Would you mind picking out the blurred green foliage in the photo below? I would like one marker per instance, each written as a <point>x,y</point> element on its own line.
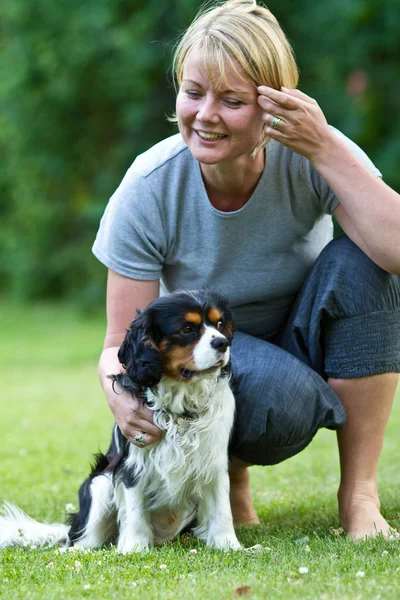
<point>86,86</point>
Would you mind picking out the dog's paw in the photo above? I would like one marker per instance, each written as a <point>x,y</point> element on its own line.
<point>133,546</point>
<point>225,543</point>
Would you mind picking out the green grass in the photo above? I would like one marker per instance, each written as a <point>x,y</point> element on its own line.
<point>53,417</point>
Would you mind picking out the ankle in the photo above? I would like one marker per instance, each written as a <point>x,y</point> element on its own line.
<point>243,511</point>
<point>353,492</point>
<point>239,476</point>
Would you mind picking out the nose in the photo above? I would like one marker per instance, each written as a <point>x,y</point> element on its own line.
<point>220,344</point>
<point>208,111</point>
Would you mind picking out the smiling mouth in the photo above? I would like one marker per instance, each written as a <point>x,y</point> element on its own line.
<point>210,137</point>
<point>188,374</point>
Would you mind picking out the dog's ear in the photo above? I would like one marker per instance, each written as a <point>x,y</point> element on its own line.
<point>139,354</point>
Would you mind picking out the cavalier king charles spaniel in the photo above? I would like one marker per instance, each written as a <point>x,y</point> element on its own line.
<point>176,359</point>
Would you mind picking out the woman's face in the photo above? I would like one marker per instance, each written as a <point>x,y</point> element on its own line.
<point>218,123</point>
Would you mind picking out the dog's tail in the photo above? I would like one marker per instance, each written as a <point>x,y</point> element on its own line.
<point>17,529</point>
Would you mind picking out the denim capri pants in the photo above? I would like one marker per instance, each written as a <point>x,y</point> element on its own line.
<point>344,324</point>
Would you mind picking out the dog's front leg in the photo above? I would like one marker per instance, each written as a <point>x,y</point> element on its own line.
<point>215,515</point>
<point>135,531</point>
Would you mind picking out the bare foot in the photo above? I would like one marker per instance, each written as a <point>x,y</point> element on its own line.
<point>241,501</point>
<point>359,512</point>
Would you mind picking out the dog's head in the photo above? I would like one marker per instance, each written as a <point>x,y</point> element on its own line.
<point>185,335</point>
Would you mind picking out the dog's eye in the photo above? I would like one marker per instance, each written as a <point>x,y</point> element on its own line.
<point>220,325</point>
<point>187,328</point>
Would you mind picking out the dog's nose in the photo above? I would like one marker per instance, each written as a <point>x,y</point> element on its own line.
<point>220,344</point>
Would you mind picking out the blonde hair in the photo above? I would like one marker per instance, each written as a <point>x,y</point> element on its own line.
<point>239,32</point>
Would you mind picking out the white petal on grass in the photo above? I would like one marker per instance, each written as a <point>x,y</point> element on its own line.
<point>303,570</point>
<point>78,566</point>
<point>70,508</point>
<point>360,574</point>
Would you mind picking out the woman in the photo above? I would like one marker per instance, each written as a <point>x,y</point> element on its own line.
<point>241,200</point>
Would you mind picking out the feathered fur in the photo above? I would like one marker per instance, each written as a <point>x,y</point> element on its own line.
<point>176,358</point>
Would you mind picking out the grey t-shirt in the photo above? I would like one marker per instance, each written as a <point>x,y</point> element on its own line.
<point>160,224</point>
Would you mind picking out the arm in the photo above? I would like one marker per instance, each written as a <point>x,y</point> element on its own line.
<point>369,210</point>
<point>124,297</point>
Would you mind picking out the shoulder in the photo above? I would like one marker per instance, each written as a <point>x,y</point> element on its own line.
<point>153,169</point>
<point>167,152</point>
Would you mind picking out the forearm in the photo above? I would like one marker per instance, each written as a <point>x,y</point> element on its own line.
<point>371,207</point>
<point>108,365</point>
<point>369,210</point>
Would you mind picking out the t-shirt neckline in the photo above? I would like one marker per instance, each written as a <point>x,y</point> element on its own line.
<point>251,201</point>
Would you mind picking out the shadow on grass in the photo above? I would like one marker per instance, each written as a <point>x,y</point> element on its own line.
<point>290,523</point>
<point>301,523</point>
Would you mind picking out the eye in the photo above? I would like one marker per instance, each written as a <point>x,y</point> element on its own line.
<point>193,94</point>
<point>220,326</point>
<point>188,328</point>
<point>233,103</point>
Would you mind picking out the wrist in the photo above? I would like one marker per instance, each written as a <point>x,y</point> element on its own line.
<point>108,365</point>
<point>328,148</point>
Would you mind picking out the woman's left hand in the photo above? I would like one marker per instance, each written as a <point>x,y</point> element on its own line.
<point>302,126</point>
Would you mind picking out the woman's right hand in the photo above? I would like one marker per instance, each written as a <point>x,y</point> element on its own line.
<point>132,416</point>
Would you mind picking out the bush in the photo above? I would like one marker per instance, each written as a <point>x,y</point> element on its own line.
<point>85,87</point>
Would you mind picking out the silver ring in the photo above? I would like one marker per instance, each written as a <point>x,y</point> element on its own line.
<point>139,438</point>
<point>275,122</point>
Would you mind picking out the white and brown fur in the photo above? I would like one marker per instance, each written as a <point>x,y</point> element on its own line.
<point>176,356</point>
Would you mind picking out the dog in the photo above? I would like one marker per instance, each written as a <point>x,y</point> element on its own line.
<point>176,359</point>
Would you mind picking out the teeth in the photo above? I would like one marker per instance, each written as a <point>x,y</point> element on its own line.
<point>210,136</point>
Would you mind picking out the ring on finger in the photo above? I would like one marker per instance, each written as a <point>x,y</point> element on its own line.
<point>275,122</point>
<point>139,438</point>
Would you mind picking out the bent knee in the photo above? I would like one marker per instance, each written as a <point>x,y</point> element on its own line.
<point>279,414</point>
<point>356,279</point>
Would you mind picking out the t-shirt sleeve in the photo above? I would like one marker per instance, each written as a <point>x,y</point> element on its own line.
<point>318,185</point>
<point>131,239</point>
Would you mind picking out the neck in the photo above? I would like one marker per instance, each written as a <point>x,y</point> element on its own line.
<point>230,186</point>
<point>178,398</point>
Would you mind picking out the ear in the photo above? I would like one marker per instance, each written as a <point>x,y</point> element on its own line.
<point>139,354</point>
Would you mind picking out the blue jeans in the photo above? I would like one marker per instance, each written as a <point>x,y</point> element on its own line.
<point>344,324</point>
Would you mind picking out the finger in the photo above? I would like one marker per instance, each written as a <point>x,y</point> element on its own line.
<point>150,428</point>
<point>275,132</point>
<point>280,98</point>
<point>274,122</point>
<point>140,439</point>
<point>273,108</point>
<point>298,94</point>
<point>146,414</point>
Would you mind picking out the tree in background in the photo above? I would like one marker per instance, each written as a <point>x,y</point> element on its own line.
<point>86,86</point>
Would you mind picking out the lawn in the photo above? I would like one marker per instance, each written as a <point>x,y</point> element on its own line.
<point>53,417</point>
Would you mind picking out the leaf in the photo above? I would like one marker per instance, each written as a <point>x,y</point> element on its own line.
<point>243,590</point>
